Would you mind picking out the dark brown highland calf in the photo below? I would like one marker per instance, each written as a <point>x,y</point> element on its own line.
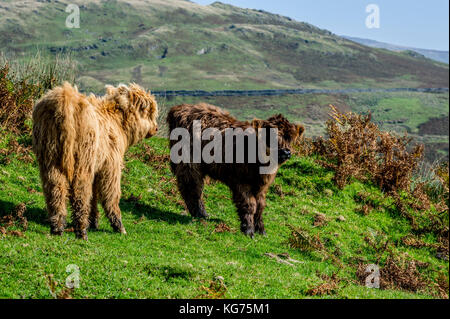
<point>248,185</point>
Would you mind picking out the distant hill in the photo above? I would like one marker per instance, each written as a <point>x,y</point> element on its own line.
<point>440,56</point>
<point>177,44</point>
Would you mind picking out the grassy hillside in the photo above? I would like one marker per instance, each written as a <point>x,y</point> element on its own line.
<point>167,254</point>
<point>176,44</point>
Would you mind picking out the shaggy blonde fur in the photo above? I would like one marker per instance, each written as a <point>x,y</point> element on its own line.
<point>80,141</point>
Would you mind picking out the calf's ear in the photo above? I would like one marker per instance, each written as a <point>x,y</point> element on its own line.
<point>121,97</point>
<point>300,130</point>
<point>110,90</point>
<point>256,124</point>
<point>123,89</point>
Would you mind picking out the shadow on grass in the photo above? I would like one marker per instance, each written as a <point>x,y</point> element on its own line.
<point>33,214</point>
<point>139,209</point>
<point>39,215</point>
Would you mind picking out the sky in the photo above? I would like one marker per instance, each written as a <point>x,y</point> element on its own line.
<point>413,23</point>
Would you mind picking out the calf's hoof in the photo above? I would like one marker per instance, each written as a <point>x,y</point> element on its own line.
<point>81,235</point>
<point>57,229</point>
<point>248,231</point>
<point>200,213</point>
<point>93,224</point>
<point>118,227</point>
<point>120,230</point>
<point>57,232</point>
<point>260,230</point>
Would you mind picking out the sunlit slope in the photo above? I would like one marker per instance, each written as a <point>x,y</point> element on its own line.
<point>177,44</point>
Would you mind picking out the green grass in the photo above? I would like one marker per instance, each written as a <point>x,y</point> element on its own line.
<point>167,254</point>
<point>411,109</point>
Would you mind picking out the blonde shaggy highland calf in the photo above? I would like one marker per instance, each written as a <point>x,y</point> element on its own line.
<point>80,141</point>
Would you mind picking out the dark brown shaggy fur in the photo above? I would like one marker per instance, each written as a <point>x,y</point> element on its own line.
<point>248,186</point>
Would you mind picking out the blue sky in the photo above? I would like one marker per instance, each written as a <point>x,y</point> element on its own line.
<point>414,23</point>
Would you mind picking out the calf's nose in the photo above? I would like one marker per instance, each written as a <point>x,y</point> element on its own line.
<point>284,154</point>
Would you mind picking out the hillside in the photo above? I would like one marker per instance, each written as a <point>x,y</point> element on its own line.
<point>340,205</point>
<point>437,55</point>
<point>176,44</point>
<point>167,254</point>
<point>424,116</point>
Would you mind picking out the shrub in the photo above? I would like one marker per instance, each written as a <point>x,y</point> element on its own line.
<point>22,83</point>
<point>357,148</point>
<point>17,100</point>
<point>43,72</point>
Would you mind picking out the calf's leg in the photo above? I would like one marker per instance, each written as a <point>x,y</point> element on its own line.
<point>94,214</point>
<point>109,192</point>
<point>190,184</point>
<point>80,198</point>
<point>261,204</point>
<point>246,206</point>
<point>55,188</point>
